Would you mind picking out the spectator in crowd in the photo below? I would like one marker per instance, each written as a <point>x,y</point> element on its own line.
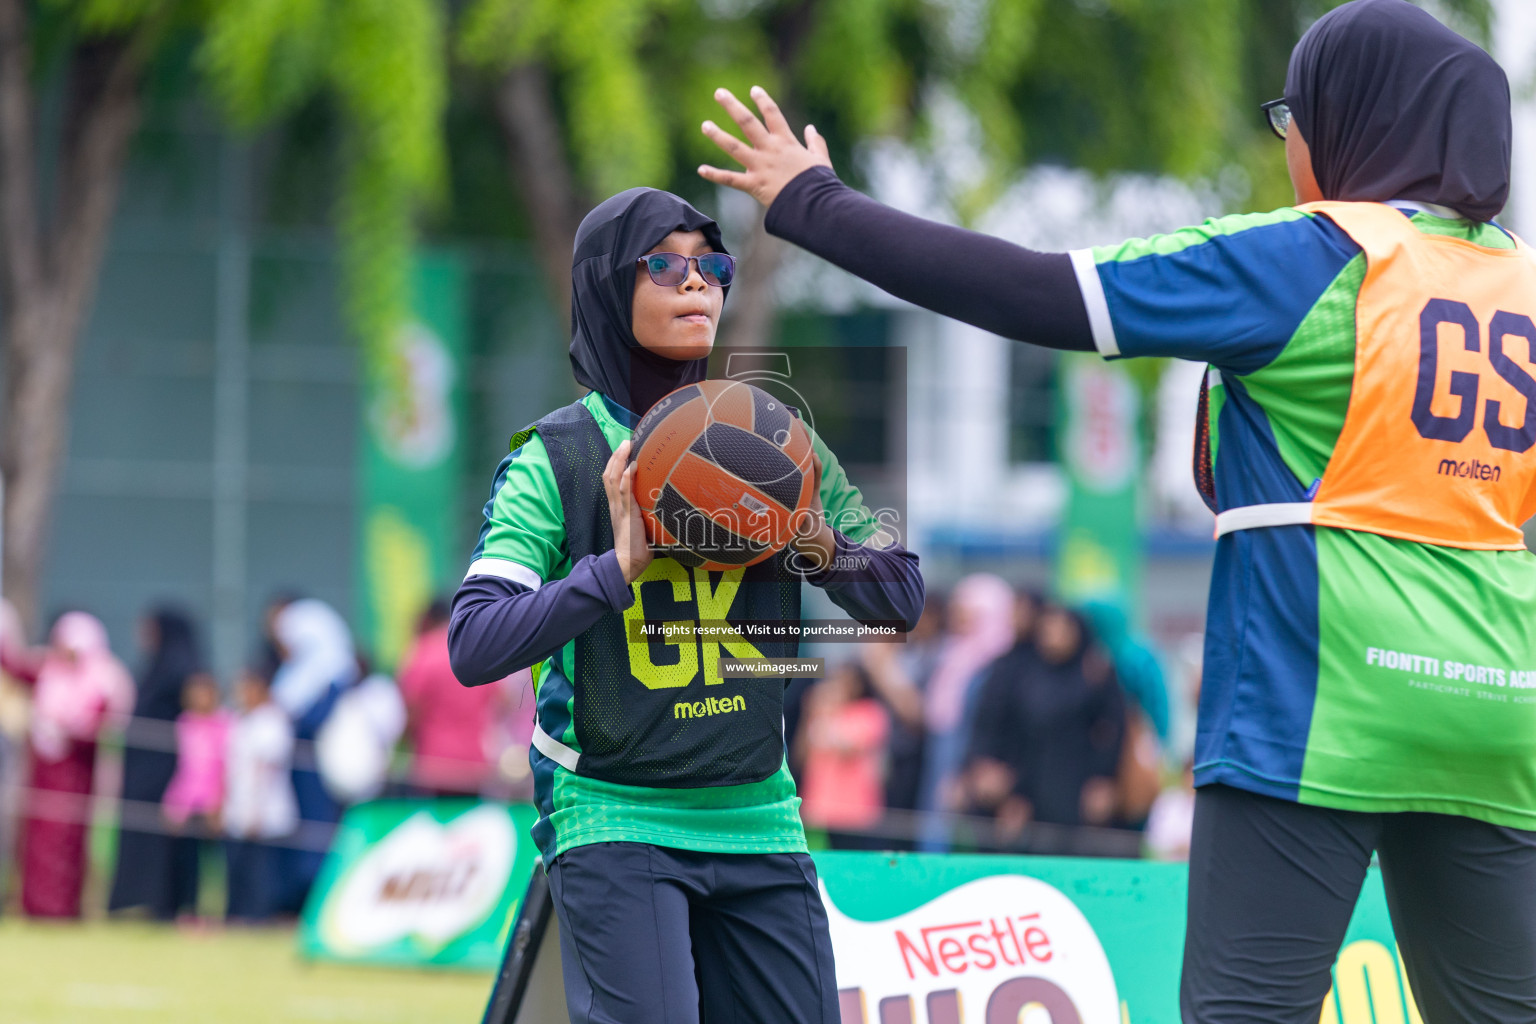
<point>315,664</point>
<point>980,628</point>
<point>1137,666</point>
<point>77,683</point>
<point>259,805</point>
<point>195,797</point>
<point>202,739</point>
<point>152,866</point>
<point>357,742</point>
<point>988,779</point>
<point>449,725</point>
<point>843,735</point>
<point>1051,737</point>
<point>899,674</point>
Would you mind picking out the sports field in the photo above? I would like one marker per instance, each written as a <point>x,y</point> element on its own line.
<point>78,974</point>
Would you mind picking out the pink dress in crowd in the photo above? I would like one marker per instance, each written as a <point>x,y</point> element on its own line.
<point>844,787</point>
<point>202,742</point>
<point>448,723</point>
<point>78,685</point>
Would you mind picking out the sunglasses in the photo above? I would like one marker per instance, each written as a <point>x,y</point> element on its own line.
<point>1279,114</point>
<point>670,269</point>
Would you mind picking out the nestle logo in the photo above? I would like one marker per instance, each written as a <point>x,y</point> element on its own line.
<point>1474,470</point>
<point>956,948</point>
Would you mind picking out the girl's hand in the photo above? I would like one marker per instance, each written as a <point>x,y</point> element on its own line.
<point>629,541</point>
<point>771,155</point>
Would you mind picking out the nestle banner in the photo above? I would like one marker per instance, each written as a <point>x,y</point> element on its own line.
<point>923,939</point>
<point>422,883</point>
<point>928,939</point>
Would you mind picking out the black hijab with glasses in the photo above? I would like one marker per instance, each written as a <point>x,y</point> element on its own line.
<point>1394,105</point>
<point>604,353</point>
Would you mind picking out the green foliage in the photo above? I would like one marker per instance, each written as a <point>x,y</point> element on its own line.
<point>107,16</point>
<point>264,57</point>
<point>381,65</point>
<point>616,129</point>
<point>1156,86</point>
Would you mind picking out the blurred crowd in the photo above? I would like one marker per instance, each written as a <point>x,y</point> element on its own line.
<point>1004,718</point>
<point>254,770</point>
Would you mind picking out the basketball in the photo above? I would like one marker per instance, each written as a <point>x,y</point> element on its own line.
<point>723,469</point>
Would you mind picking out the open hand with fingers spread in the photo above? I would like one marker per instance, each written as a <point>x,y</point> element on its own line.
<point>771,155</point>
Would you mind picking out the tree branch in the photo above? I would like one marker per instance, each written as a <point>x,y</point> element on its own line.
<point>21,267</point>
<point>103,114</point>
<point>542,171</point>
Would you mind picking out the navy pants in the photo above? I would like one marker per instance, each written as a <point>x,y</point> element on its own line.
<point>1272,886</point>
<point>652,935</point>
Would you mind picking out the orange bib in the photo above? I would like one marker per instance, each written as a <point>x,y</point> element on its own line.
<point>1442,413</point>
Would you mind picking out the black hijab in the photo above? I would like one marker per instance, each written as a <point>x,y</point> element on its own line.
<point>604,353</point>
<point>1394,105</point>
<point>175,657</point>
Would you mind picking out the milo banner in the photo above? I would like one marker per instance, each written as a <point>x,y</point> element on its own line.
<point>421,883</point>
<point>932,939</point>
<point>1099,445</point>
<point>410,449</point>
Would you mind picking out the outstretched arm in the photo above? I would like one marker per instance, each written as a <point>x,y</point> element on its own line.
<point>975,278</point>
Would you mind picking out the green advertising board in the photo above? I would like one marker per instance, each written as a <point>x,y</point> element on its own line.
<point>970,939</point>
<point>421,883</point>
<point>1042,940</point>
<point>1099,445</point>
<point>411,450</point>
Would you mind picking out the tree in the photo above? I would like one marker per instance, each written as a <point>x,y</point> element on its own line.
<point>380,62</point>
<point>599,95</point>
<point>596,96</point>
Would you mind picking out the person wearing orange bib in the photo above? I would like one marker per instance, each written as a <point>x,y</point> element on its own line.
<point>1366,435</point>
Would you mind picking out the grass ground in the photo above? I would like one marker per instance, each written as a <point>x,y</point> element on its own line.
<point>126,973</point>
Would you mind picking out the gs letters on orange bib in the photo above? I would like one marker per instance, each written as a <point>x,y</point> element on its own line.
<point>1436,444</point>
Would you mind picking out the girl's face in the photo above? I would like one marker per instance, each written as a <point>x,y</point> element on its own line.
<point>251,691</point>
<point>1057,636</point>
<point>201,695</point>
<point>680,322</point>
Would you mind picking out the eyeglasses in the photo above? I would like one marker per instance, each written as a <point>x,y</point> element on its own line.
<point>1279,114</point>
<point>670,269</point>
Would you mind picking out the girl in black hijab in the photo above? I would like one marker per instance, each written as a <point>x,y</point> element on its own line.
<point>155,870</point>
<point>1371,590</point>
<point>668,820</point>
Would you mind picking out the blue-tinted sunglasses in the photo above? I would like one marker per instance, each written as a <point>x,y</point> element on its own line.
<point>670,269</point>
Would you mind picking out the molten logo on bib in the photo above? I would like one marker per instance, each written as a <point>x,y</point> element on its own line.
<point>998,950</point>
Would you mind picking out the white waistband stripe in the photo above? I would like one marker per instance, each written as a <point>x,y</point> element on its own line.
<point>506,569</point>
<point>553,749</point>
<point>1248,517</point>
<point>1093,300</point>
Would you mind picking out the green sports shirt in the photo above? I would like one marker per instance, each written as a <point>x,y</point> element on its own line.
<point>524,527</point>
<point>1342,668</point>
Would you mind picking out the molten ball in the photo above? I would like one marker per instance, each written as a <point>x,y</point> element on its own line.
<point>723,472</point>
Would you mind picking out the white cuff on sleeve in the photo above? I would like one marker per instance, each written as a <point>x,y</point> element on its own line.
<point>1093,298</point>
